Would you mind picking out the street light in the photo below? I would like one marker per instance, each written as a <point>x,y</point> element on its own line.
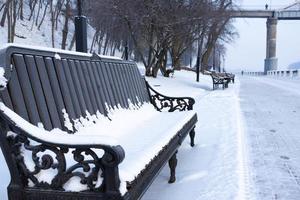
<point>80,30</point>
<point>198,63</point>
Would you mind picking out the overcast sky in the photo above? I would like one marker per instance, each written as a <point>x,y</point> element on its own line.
<point>248,51</point>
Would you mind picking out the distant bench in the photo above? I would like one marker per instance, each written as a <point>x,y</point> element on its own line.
<point>220,79</point>
<point>79,126</point>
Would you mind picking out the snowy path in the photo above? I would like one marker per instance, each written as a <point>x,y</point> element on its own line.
<point>272,111</point>
<point>215,167</point>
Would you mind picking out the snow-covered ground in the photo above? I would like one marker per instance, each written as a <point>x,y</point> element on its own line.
<point>216,167</point>
<point>271,107</point>
<point>247,141</point>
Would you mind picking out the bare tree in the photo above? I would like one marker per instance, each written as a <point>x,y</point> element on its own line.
<point>65,30</point>
<point>157,28</point>
<point>44,15</point>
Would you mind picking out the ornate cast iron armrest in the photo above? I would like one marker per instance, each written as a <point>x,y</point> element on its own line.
<point>86,163</point>
<point>170,104</point>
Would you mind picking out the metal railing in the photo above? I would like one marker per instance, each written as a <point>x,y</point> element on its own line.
<point>284,73</point>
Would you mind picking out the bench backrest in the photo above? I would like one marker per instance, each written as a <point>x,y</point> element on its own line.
<point>42,83</point>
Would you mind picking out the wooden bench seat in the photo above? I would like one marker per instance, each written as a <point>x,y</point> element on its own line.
<point>91,122</point>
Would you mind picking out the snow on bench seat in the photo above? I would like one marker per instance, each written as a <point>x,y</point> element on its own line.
<point>139,131</point>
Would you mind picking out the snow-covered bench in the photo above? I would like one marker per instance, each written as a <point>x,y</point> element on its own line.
<point>230,76</point>
<point>218,80</point>
<point>80,126</point>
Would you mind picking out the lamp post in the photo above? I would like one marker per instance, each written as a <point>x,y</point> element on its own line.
<point>198,68</point>
<point>80,29</point>
<point>198,63</point>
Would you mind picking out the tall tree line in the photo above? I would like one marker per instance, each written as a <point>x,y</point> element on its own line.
<point>156,29</point>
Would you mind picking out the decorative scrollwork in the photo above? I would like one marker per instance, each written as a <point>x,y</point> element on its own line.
<point>170,104</point>
<point>36,159</point>
<point>86,165</point>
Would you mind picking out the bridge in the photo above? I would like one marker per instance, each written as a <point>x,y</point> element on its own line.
<point>291,12</point>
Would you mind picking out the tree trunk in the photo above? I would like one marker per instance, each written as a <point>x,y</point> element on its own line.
<point>9,23</point>
<point>57,11</point>
<point>14,20</point>
<point>94,40</point>
<point>4,15</point>
<point>52,25</point>
<point>38,13</point>
<point>21,6</point>
<point>66,25</point>
<point>44,15</point>
<point>32,7</point>
<point>72,42</point>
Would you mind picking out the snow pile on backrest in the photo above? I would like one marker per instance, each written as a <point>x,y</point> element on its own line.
<point>56,135</point>
<point>118,120</point>
<point>57,56</point>
<point>67,122</point>
<point>3,80</point>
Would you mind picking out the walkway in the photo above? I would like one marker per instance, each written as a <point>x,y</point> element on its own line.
<point>215,167</point>
<point>272,112</point>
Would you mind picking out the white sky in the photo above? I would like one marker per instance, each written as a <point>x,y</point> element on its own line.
<point>249,49</point>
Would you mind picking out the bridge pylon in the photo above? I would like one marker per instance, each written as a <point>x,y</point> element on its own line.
<point>271,62</point>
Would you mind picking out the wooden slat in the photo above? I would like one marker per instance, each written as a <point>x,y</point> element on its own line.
<point>84,87</point>
<point>71,86</point>
<point>96,89</point>
<point>100,84</point>
<point>135,83</point>
<point>115,69</point>
<point>114,87</point>
<point>16,95</point>
<point>142,83</point>
<point>48,93</point>
<point>104,76</point>
<point>38,92</point>
<point>66,94</point>
<point>5,97</point>
<point>26,88</point>
<point>59,102</point>
<point>90,91</point>
<point>132,86</point>
<point>127,84</point>
<point>78,87</point>
<point>122,80</point>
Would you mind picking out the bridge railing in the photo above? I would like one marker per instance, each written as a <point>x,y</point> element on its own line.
<point>254,73</point>
<point>285,73</point>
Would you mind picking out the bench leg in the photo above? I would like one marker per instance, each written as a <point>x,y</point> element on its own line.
<point>192,136</point>
<point>172,165</point>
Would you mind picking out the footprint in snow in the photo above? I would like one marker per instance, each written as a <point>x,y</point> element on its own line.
<point>273,131</point>
<point>284,157</point>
